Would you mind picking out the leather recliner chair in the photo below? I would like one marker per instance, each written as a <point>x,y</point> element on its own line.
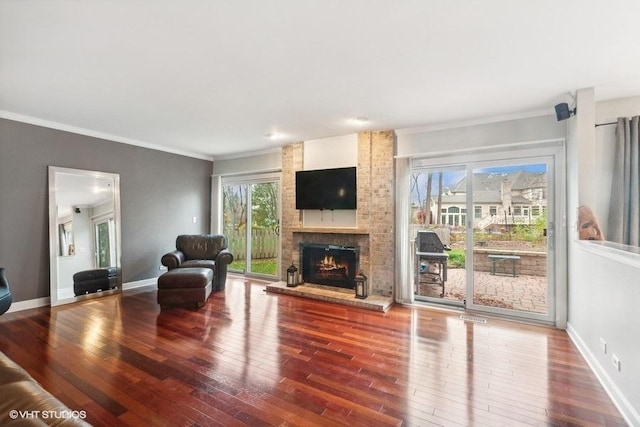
<point>201,250</point>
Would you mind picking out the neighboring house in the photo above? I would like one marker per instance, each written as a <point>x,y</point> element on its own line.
<point>499,199</point>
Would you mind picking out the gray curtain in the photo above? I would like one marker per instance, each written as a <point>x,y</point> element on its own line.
<point>624,211</point>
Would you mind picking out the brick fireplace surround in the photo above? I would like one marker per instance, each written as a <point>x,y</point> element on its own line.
<point>375,232</point>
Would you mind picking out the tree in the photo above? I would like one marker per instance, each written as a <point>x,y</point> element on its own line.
<point>415,188</point>
<point>235,206</point>
<point>420,214</point>
<point>264,202</point>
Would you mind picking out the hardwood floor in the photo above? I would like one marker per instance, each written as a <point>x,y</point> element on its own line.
<point>252,358</point>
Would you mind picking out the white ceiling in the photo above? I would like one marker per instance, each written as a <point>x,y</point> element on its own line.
<point>82,190</point>
<point>212,78</point>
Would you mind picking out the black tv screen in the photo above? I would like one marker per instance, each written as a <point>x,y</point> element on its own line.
<point>326,189</point>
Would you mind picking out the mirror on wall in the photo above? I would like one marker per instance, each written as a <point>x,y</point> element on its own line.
<point>84,234</point>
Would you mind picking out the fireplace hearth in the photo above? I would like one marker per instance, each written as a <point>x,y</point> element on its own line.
<point>331,265</point>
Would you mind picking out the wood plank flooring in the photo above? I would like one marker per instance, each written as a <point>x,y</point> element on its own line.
<point>258,359</point>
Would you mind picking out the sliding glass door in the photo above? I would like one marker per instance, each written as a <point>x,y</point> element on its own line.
<point>432,211</point>
<point>493,220</point>
<point>508,236</point>
<point>104,238</point>
<point>251,224</point>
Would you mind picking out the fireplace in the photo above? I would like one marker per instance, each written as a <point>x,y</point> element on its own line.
<point>331,265</point>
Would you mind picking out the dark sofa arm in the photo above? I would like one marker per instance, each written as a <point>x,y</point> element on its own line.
<point>223,259</point>
<point>172,259</point>
<point>20,392</point>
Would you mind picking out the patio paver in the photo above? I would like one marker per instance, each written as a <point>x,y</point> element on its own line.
<point>524,293</point>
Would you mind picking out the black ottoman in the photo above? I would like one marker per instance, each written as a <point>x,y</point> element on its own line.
<point>184,286</point>
<point>91,281</point>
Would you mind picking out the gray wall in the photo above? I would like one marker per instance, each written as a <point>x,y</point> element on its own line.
<point>160,194</point>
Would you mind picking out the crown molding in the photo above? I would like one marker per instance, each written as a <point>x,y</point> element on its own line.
<point>94,134</point>
<point>245,154</point>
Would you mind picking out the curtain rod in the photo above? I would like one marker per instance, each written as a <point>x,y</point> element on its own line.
<point>606,124</point>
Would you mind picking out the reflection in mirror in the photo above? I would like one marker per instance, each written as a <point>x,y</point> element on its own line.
<point>84,234</point>
<point>65,237</point>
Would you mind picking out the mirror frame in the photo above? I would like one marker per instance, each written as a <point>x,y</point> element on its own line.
<point>53,233</point>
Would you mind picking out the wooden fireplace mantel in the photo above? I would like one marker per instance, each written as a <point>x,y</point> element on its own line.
<point>332,230</point>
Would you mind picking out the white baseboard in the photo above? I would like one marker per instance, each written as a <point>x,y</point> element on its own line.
<point>46,301</point>
<point>139,283</point>
<point>627,410</point>
<point>32,303</point>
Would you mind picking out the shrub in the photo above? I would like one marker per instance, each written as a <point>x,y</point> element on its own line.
<point>456,258</point>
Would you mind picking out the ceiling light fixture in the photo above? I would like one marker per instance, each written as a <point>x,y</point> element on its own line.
<point>360,121</point>
<point>274,135</point>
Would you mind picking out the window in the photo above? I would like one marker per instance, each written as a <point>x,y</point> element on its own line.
<point>517,210</point>
<point>535,210</point>
<point>454,217</point>
<point>493,210</point>
<point>477,212</point>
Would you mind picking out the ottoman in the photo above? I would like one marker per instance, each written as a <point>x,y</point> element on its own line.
<point>91,281</point>
<point>184,286</point>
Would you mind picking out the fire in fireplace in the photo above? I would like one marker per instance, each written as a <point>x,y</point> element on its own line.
<point>331,265</point>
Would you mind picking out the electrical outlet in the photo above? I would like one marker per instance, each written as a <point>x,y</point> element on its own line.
<point>603,345</point>
<point>615,361</point>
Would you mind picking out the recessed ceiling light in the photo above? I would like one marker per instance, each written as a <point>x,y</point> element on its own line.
<point>274,135</point>
<point>360,121</point>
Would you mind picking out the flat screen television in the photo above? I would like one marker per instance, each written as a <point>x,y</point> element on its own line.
<point>326,189</point>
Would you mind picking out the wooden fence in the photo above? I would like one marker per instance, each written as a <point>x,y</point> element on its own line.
<point>264,243</point>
